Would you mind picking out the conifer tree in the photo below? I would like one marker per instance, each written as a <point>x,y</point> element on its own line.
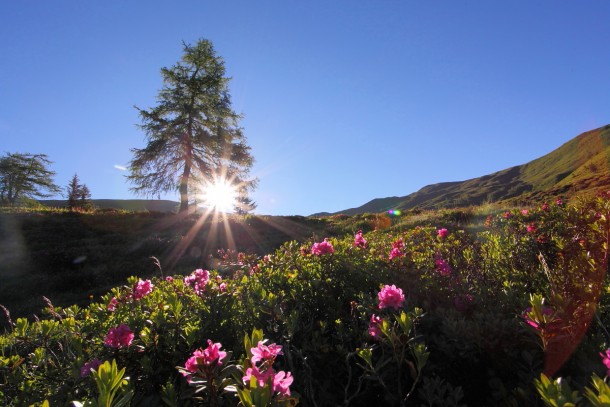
<point>79,196</point>
<point>25,175</point>
<point>193,134</point>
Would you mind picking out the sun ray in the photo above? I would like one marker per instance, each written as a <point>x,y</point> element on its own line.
<point>221,195</point>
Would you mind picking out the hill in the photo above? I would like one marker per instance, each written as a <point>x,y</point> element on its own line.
<point>580,166</point>
<point>155,205</point>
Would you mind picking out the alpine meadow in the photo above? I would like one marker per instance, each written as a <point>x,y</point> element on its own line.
<point>235,281</point>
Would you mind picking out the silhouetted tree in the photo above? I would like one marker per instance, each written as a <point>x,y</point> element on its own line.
<point>84,199</point>
<point>25,176</point>
<point>193,134</point>
<point>244,204</point>
<point>79,195</point>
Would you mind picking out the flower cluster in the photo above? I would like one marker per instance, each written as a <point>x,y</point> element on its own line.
<point>390,296</point>
<point>443,233</point>
<point>113,304</point>
<point>93,364</point>
<point>204,359</point>
<point>359,240</point>
<point>375,326</point>
<point>198,279</point>
<point>397,249</point>
<point>119,337</point>
<point>261,370</point>
<point>325,247</point>
<point>263,352</point>
<point>142,289</point>
<point>442,266</point>
<point>606,360</point>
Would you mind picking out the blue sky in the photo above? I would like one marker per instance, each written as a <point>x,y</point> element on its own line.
<point>343,101</point>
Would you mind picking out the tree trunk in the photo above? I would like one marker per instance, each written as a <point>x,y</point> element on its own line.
<point>184,179</point>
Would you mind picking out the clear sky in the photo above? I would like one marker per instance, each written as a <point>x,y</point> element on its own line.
<point>343,101</point>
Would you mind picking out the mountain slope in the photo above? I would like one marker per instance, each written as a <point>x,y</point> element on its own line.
<point>581,165</point>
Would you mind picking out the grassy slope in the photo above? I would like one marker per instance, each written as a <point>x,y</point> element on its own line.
<point>158,205</point>
<point>582,165</point>
<point>70,256</point>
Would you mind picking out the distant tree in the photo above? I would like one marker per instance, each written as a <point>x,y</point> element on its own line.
<point>79,195</point>
<point>244,204</point>
<point>84,199</point>
<point>193,133</point>
<point>25,176</point>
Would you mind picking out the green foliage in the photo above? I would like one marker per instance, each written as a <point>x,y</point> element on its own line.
<point>556,393</point>
<point>463,335</point>
<point>25,176</point>
<point>110,383</point>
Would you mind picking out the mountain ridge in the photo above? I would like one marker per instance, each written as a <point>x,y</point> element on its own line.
<point>579,166</point>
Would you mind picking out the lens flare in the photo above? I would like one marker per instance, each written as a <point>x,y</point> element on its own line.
<point>220,195</point>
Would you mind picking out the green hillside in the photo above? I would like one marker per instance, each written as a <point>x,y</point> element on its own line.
<point>580,166</point>
<point>156,205</point>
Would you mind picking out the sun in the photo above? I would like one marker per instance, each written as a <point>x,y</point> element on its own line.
<point>220,195</point>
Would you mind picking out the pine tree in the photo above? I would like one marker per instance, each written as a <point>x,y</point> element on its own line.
<point>84,199</point>
<point>79,196</point>
<point>193,134</point>
<point>72,191</point>
<point>25,176</point>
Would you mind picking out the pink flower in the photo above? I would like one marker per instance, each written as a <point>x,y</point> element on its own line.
<point>119,337</point>
<point>321,248</point>
<point>398,244</point>
<point>205,357</point>
<point>222,287</point>
<point>169,278</point>
<point>85,370</point>
<point>261,377</point>
<point>524,212</point>
<point>213,352</point>
<point>198,280</point>
<point>531,228</point>
<point>390,296</point>
<point>443,233</point>
<point>191,363</point>
<point>558,202</point>
<point>396,253</point>
<point>397,247</point>
<point>113,304</point>
<point>375,326</point>
<point>264,352</point>
<point>606,360</point>
<point>282,382</point>
<point>142,289</point>
<point>442,267</point>
<point>507,215</point>
<point>359,241</point>
<point>545,207</point>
